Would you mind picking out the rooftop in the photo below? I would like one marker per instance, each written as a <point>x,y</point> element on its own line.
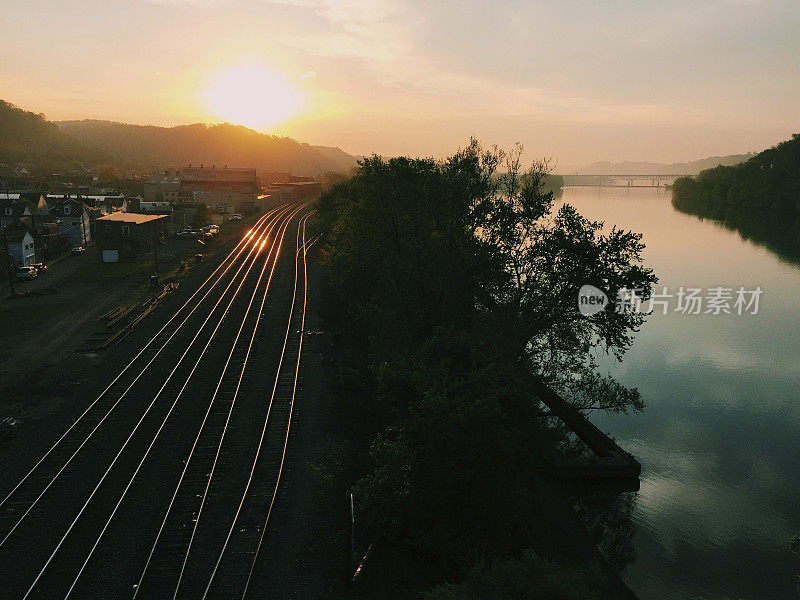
<point>124,217</point>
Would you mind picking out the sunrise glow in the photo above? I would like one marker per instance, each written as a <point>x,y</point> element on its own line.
<point>251,95</point>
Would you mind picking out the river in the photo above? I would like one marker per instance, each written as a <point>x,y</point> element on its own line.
<point>718,438</point>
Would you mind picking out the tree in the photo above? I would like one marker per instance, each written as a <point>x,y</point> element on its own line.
<point>541,260</point>
<point>463,277</point>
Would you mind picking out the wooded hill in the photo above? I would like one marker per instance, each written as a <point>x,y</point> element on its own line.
<point>40,145</point>
<point>770,180</point>
<point>43,146</point>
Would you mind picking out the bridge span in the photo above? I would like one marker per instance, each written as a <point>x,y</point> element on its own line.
<point>621,180</point>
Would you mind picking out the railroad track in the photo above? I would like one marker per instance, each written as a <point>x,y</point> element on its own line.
<point>36,515</point>
<point>17,502</point>
<point>238,556</point>
<point>168,572</point>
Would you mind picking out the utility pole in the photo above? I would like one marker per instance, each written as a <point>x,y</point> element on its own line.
<point>155,245</point>
<point>7,250</point>
<point>8,263</point>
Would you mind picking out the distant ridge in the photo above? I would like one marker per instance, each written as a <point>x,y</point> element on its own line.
<point>648,168</point>
<point>40,145</point>
<point>143,146</point>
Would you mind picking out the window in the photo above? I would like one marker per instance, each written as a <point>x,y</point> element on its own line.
<point>8,212</point>
<point>67,209</point>
<point>126,230</point>
<point>108,228</point>
<point>74,223</point>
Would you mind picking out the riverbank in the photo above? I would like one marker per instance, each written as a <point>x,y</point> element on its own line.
<point>768,181</point>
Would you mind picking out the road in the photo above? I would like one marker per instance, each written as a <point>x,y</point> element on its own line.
<point>161,480</point>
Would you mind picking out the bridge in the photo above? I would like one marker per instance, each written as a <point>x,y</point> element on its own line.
<point>621,180</point>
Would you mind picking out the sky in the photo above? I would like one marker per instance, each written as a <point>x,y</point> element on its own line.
<point>575,81</point>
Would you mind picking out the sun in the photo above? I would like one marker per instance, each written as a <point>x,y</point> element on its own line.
<point>251,95</point>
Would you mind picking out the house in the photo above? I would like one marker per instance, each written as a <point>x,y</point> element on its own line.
<point>49,243</point>
<point>123,235</point>
<point>11,210</point>
<point>73,216</point>
<point>106,203</point>
<point>21,247</point>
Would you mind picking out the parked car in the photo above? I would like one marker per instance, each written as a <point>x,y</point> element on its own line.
<point>198,257</point>
<point>235,217</point>
<point>211,230</point>
<point>78,250</point>
<point>189,233</point>
<point>41,267</point>
<point>25,273</point>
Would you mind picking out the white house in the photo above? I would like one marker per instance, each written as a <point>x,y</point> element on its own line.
<point>21,248</point>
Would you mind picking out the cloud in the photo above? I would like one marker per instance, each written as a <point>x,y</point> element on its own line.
<point>353,28</point>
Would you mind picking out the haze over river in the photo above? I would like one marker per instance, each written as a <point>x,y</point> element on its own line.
<point>718,438</point>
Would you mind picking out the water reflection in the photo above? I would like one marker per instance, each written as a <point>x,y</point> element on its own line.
<point>777,231</point>
<point>718,436</point>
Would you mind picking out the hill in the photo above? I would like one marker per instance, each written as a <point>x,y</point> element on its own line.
<point>769,181</point>
<point>649,168</point>
<point>43,146</point>
<point>30,139</point>
<point>144,147</point>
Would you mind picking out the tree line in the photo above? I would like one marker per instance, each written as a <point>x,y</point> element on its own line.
<point>768,182</point>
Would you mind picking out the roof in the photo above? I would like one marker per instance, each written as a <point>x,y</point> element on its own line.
<point>136,218</point>
<point>15,237</point>
<point>56,208</point>
<point>17,208</point>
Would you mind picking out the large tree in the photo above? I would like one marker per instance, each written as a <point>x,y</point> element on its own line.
<point>463,276</point>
